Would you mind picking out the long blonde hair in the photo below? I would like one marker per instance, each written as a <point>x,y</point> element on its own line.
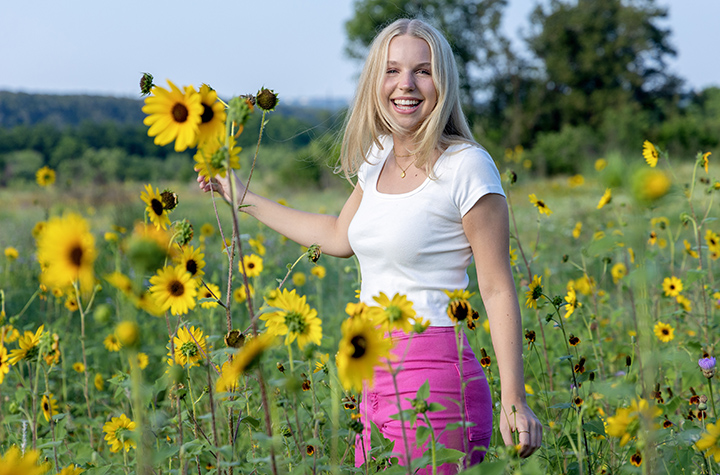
<point>368,117</point>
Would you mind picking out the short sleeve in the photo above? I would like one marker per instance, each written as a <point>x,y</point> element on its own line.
<point>362,174</point>
<point>475,175</point>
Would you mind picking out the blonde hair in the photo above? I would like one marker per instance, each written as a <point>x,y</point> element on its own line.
<point>368,117</point>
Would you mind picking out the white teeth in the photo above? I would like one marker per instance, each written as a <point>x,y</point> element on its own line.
<point>406,102</point>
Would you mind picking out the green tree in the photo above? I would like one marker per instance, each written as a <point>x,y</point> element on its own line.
<point>472,28</point>
<point>601,54</point>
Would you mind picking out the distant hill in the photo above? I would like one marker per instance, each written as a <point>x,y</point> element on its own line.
<point>18,108</point>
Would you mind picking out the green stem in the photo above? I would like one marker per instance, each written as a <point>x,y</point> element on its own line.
<point>712,398</point>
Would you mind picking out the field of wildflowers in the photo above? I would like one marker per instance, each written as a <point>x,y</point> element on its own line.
<point>168,333</point>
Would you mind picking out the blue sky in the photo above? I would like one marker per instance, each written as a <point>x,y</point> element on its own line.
<point>292,46</point>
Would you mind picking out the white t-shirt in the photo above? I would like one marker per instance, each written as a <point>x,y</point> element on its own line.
<point>414,243</point>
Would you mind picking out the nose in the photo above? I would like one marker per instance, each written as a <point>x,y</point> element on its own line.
<point>407,81</point>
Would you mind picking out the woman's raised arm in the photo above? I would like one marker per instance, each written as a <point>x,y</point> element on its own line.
<point>306,229</point>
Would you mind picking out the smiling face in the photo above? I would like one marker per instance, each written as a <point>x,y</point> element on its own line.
<point>408,87</point>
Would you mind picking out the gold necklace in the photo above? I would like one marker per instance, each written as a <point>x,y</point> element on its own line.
<point>402,175</point>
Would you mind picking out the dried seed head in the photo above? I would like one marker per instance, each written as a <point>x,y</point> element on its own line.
<point>146,84</point>
<point>266,99</point>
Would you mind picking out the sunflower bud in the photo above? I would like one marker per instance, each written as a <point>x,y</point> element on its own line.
<point>511,176</point>
<point>267,99</point>
<point>146,84</point>
<point>184,232</point>
<point>128,333</point>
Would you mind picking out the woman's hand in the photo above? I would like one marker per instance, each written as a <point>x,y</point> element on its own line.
<point>527,426</point>
<point>221,185</point>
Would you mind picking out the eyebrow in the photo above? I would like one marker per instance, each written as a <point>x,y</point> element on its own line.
<point>421,65</point>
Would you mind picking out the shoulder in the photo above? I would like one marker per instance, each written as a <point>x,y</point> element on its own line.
<point>465,158</point>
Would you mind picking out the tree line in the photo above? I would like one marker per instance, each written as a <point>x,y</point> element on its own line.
<point>591,76</point>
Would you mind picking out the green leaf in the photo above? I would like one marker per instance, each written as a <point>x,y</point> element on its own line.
<point>424,391</point>
<point>565,405</point>
<point>595,427</point>
<point>421,435</point>
<point>435,407</point>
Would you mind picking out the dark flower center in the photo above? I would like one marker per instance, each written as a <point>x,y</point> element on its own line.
<point>207,114</point>
<point>76,254</point>
<point>176,288</point>
<point>46,406</point>
<point>359,344</point>
<point>157,207</point>
<point>180,112</point>
<point>191,266</point>
<point>665,331</point>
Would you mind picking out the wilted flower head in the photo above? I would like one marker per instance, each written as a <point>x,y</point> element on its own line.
<point>266,99</point>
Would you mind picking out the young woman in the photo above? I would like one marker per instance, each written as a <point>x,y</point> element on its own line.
<point>428,201</point>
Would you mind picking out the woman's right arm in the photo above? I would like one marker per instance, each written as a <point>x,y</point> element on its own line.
<point>306,229</point>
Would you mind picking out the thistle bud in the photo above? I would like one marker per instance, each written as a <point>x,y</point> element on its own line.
<point>184,232</point>
<point>314,252</point>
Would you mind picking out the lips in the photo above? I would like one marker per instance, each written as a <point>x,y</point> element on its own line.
<point>406,105</point>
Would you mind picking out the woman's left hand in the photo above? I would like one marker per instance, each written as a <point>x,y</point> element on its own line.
<point>525,423</point>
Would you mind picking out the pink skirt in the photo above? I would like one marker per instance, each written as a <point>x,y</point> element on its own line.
<point>430,356</point>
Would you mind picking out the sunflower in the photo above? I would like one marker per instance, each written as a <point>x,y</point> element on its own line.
<point>650,153</point>
<point>174,288</point>
<point>625,423</point>
<point>395,313</point>
<point>15,462</point>
<point>577,230</point>
<point>71,469</point>
<point>49,406</point>
<point>672,286</point>
<point>190,346</point>
<point>210,293</point>
<point>8,334</point>
<point>28,346</point>
<point>712,239</point>
<point>684,303</point>
<point>212,119</point>
<point>121,282</point>
<point>293,317</point>
<point>192,260</point>
<point>459,308</point>
<point>147,302</point>
<point>258,247</point>
<point>618,271</point>
<point>4,365</point>
<point>240,294</point>
<point>11,253</point>
<point>576,180</point>
<point>664,332</point>
<point>600,164</point>
<point>117,433</point>
<point>45,176</point>
<point>534,292</point>
<point>689,250</point>
<point>216,156</point>
<point>66,251</point>
<point>155,208</point>
<point>605,199</point>
<point>572,301</point>
<point>78,367</point>
<point>710,442</point>
<point>112,343</point>
<point>540,205</point>
<point>636,459</point>
<point>252,265</point>
<point>299,279</point>
<point>141,359</point>
<point>173,115</point>
<point>244,360</point>
<point>319,272</point>
<point>362,348</point>
<point>99,382</point>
